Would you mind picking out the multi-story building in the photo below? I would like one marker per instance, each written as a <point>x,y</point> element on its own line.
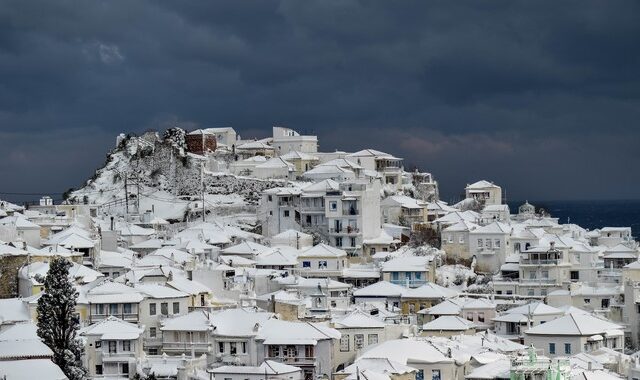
<point>353,214</point>
<point>388,166</point>
<point>544,268</point>
<point>280,210</point>
<point>112,346</point>
<point>484,192</point>
<point>287,140</point>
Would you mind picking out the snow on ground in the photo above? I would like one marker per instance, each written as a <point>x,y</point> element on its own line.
<point>455,276</point>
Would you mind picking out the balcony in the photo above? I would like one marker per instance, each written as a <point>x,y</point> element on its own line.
<point>185,346</point>
<point>129,317</point>
<point>120,356</point>
<point>412,283</point>
<point>344,231</point>
<point>350,211</point>
<point>295,361</point>
<point>540,281</point>
<point>540,262</point>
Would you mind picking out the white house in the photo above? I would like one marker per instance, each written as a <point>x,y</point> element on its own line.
<point>484,192</point>
<point>575,333</point>
<point>112,346</point>
<point>287,140</point>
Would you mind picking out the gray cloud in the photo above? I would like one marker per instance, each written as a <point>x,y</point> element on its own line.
<point>542,97</point>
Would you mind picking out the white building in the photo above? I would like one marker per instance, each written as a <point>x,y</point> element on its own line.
<point>484,192</point>
<point>575,333</point>
<point>287,140</point>
<point>112,346</point>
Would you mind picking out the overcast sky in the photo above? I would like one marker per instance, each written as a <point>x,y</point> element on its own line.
<point>541,97</point>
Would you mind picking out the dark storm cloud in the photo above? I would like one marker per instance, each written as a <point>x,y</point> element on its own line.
<point>542,97</point>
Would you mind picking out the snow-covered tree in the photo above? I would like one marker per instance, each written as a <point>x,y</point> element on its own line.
<point>57,322</point>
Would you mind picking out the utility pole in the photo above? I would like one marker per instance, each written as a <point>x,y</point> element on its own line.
<point>137,194</point>
<point>202,183</point>
<point>126,194</point>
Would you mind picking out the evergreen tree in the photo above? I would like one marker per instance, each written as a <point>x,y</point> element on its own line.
<point>57,322</point>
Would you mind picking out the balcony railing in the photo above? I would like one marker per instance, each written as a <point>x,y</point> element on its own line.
<point>350,211</point>
<point>129,317</point>
<point>540,262</point>
<point>413,283</point>
<point>185,346</point>
<point>298,360</point>
<point>344,231</point>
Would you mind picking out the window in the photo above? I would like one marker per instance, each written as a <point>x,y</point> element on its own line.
<point>164,308</point>
<point>152,309</point>
<point>221,347</point>
<point>243,347</point>
<point>530,292</point>
<point>638,308</point>
<point>112,346</point>
<point>344,343</point>
<point>100,309</point>
<point>291,351</point>
<point>353,242</point>
<point>587,300</point>
<point>420,374</point>
<point>567,348</point>
<point>270,198</point>
<point>450,238</point>
<point>532,275</point>
<point>274,351</point>
<point>306,264</point>
<point>126,345</point>
<point>333,205</point>
<point>373,339</point>
<point>126,308</point>
<point>322,264</point>
<point>481,317</point>
<point>545,274</point>
<point>113,309</point>
<point>286,213</point>
<point>575,275</point>
<point>98,369</point>
<point>497,243</point>
<point>479,243</point>
<point>233,348</point>
<point>487,243</point>
<point>461,239</point>
<point>435,374</point>
<point>308,351</point>
<point>338,242</point>
<point>358,341</point>
<point>152,332</point>
<point>605,303</point>
<point>176,308</point>
<point>470,317</point>
<point>124,367</point>
<point>552,348</point>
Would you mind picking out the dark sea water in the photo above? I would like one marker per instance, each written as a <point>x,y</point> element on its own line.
<point>592,214</point>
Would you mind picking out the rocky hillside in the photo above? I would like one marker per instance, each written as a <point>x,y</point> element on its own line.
<point>152,162</point>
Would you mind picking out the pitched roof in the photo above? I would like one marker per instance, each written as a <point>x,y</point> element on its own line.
<point>380,289</point>
<point>430,290</point>
<point>448,323</point>
<point>323,250</point>
<point>574,324</point>
<point>481,185</point>
<point>358,319</point>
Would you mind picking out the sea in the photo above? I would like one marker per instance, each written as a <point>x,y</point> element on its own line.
<point>591,214</point>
